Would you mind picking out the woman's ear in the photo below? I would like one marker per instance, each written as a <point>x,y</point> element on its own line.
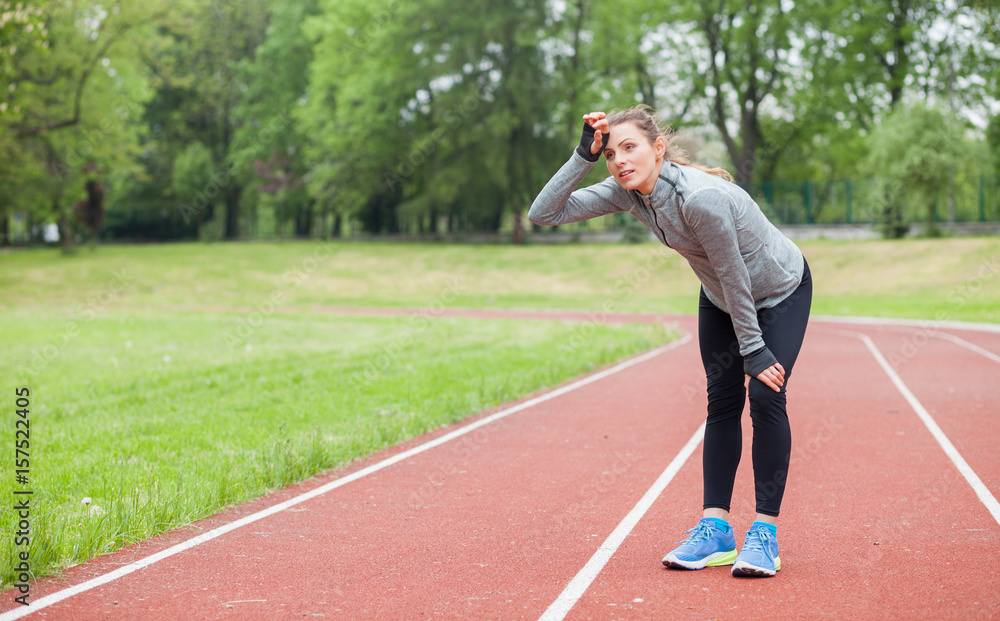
<point>661,147</point>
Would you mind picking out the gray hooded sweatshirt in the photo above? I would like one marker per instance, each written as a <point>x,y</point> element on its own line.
<point>744,262</point>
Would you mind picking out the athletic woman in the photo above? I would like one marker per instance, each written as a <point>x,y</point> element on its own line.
<point>754,306</point>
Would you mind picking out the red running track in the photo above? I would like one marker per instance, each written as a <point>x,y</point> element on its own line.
<point>879,521</point>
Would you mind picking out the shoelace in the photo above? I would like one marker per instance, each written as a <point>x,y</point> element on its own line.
<point>701,532</point>
<point>757,540</point>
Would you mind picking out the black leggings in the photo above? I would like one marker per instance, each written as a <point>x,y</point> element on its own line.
<point>783,328</point>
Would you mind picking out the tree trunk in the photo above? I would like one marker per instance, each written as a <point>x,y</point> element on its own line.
<point>304,221</point>
<point>898,67</point>
<point>574,81</point>
<point>645,82</point>
<point>932,230</point>
<point>232,211</point>
<point>495,219</point>
<point>893,223</point>
<point>391,216</point>
<point>65,231</point>
<point>518,227</point>
<point>338,225</point>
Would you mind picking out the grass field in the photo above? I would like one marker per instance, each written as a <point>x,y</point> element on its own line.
<point>920,278</point>
<point>170,381</point>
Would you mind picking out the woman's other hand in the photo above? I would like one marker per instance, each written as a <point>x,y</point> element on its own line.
<point>773,376</point>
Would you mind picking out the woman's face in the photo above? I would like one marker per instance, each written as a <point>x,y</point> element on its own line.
<point>632,159</point>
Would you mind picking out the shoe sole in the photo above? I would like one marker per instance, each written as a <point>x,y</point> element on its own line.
<point>712,560</point>
<point>742,568</point>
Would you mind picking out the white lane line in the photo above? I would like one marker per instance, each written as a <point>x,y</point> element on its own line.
<point>973,347</point>
<point>59,596</point>
<point>581,582</point>
<point>963,467</point>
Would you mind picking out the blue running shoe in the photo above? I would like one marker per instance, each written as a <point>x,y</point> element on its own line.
<point>706,546</point>
<point>759,556</point>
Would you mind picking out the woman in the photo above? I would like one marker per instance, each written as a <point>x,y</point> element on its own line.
<point>754,306</point>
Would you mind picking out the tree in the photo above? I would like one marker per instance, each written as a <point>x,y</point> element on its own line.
<point>741,54</point>
<point>993,136</point>
<point>914,153</point>
<point>23,33</point>
<point>89,211</point>
<point>269,150</point>
<point>225,33</point>
<point>193,184</point>
<point>795,87</point>
<point>358,85</point>
<point>447,100</point>
<point>198,87</point>
<point>76,98</point>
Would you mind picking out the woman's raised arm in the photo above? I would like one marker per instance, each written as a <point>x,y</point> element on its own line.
<point>560,202</point>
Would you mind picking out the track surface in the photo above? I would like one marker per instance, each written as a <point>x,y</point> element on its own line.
<point>877,522</point>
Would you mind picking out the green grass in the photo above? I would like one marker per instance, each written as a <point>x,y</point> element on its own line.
<point>908,278</point>
<point>161,420</point>
<point>167,384</point>
<point>955,279</point>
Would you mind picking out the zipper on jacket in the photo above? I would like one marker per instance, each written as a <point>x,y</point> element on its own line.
<point>656,221</point>
<point>678,193</point>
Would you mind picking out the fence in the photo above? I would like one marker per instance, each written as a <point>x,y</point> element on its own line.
<point>857,201</point>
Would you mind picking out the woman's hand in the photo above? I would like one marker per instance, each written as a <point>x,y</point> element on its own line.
<point>599,121</point>
<point>773,376</point>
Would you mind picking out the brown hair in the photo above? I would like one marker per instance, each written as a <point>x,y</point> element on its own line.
<point>642,116</point>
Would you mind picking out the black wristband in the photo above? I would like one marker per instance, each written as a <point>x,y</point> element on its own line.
<point>587,142</point>
<point>756,362</point>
